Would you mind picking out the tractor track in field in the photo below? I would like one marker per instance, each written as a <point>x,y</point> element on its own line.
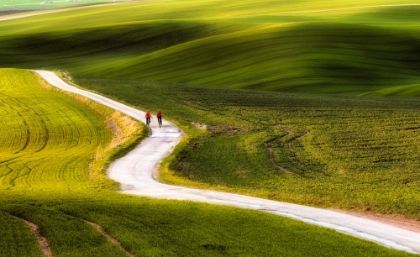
<point>109,237</point>
<point>27,129</point>
<point>42,241</point>
<point>273,161</point>
<point>291,150</point>
<point>41,121</point>
<point>136,172</point>
<point>46,250</point>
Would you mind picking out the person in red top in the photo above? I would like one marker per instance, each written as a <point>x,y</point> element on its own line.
<point>148,116</point>
<point>159,117</point>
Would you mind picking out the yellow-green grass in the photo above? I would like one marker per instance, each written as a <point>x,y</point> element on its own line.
<point>48,141</point>
<point>53,138</point>
<point>355,153</point>
<point>322,47</point>
<point>352,167</point>
<point>46,138</point>
<point>105,41</point>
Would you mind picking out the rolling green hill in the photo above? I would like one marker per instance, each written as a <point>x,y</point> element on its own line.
<point>349,48</point>
<point>320,57</point>
<point>193,60</point>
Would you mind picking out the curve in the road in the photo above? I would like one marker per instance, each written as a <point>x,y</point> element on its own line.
<point>135,173</point>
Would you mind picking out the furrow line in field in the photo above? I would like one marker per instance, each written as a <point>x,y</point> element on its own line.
<point>66,129</point>
<point>293,152</point>
<point>29,175</point>
<point>5,174</point>
<point>26,126</point>
<point>45,138</point>
<point>16,175</point>
<point>272,160</point>
<point>28,132</point>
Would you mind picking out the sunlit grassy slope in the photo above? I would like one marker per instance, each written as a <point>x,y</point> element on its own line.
<point>341,47</point>
<point>48,143</point>
<point>45,138</point>
<point>306,46</point>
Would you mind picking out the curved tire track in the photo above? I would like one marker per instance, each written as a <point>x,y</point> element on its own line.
<point>42,241</point>
<point>135,173</point>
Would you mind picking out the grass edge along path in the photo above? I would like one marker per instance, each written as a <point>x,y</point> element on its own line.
<point>345,223</point>
<point>127,132</point>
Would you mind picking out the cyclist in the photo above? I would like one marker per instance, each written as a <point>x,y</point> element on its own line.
<point>148,116</point>
<point>159,117</point>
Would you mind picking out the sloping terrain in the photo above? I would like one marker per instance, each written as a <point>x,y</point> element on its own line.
<point>188,59</point>
<point>53,198</point>
<point>336,48</point>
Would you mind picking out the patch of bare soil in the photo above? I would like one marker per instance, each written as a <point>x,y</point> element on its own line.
<point>199,126</point>
<point>394,220</point>
<point>42,241</point>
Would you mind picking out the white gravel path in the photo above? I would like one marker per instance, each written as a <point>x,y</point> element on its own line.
<point>135,173</point>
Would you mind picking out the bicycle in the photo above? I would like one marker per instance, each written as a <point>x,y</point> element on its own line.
<point>148,116</point>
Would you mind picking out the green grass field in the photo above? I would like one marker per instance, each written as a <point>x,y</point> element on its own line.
<point>348,152</point>
<point>344,47</point>
<point>48,151</point>
<point>292,95</point>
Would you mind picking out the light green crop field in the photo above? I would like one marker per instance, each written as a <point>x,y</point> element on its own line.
<point>43,140</point>
<point>288,93</point>
<point>48,144</point>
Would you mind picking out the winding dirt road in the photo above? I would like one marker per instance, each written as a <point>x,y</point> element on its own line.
<point>135,173</point>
